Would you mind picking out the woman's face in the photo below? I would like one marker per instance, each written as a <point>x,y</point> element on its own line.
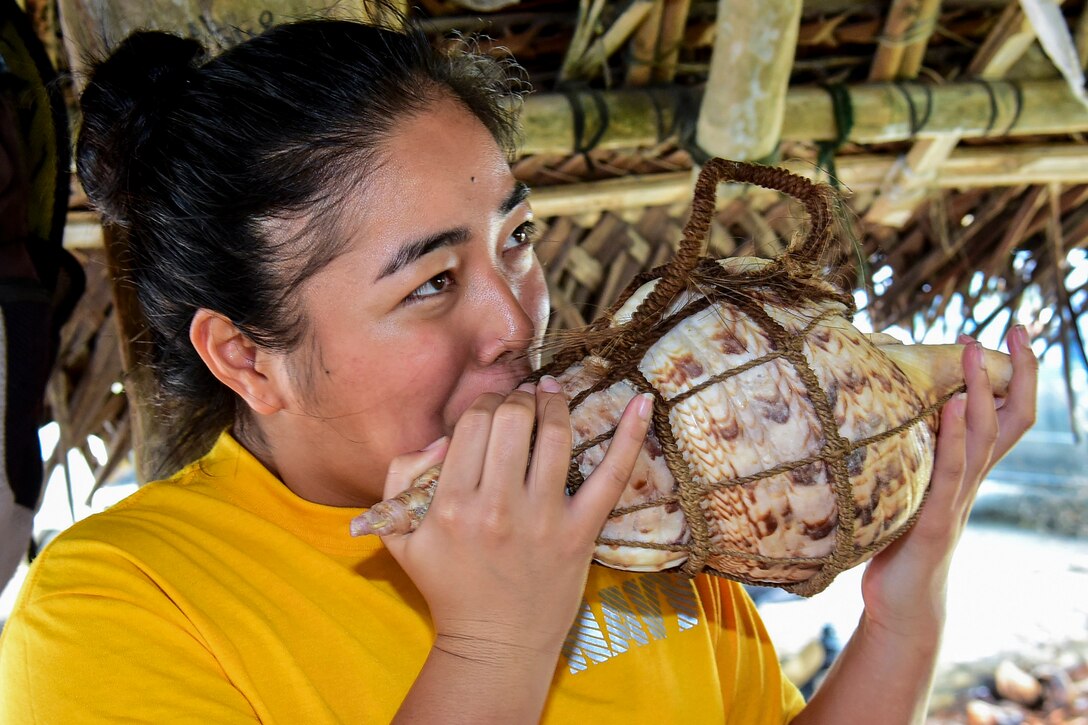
<point>435,301</point>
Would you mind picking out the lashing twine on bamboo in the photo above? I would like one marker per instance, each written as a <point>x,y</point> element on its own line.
<point>617,351</point>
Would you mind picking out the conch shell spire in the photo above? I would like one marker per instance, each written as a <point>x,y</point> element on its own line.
<point>936,370</point>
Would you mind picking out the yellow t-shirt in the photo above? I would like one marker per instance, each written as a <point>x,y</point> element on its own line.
<point>221,597</point>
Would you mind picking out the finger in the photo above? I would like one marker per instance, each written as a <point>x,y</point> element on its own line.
<point>464,463</point>
<point>951,460</point>
<point>405,469</point>
<point>551,452</point>
<point>964,339</point>
<point>1018,411</point>
<point>507,458</point>
<point>406,501</point>
<point>981,414</point>
<point>599,494</point>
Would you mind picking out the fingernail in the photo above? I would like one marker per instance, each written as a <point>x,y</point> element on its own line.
<point>979,356</point>
<point>961,405</point>
<point>1021,333</point>
<point>527,388</point>
<point>436,444</point>
<point>549,384</point>
<point>645,406</point>
<point>366,523</point>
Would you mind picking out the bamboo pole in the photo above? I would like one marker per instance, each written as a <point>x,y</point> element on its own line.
<point>1080,37</point>
<point>914,53</point>
<point>674,20</point>
<point>1013,165</point>
<point>981,167</point>
<point>589,12</point>
<point>905,189</point>
<point>742,109</point>
<point>643,52</point>
<point>965,168</point>
<point>882,114</point>
<point>903,43</point>
<point>1065,319</point>
<point>596,56</point>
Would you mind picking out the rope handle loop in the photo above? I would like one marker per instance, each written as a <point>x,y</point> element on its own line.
<point>799,257</point>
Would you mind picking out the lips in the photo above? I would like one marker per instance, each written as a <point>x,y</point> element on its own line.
<point>500,381</point>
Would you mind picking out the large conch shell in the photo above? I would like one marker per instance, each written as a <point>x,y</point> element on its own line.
<point>786,445</point>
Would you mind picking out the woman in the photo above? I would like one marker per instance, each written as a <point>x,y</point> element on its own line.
<point>336,263</point>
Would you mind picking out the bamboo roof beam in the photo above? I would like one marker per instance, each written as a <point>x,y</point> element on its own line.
<point>882,114</point>
<point>907,30</point>
<point>965,168</point>
<point>905,189</point>
<point>980,167</point>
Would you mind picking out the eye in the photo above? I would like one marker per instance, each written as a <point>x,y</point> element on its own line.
<point>434,286</point>
<point>523,236</point>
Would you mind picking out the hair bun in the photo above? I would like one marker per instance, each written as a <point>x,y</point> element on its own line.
<point>122,106</point>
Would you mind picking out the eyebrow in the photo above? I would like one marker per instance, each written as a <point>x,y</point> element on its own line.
<point>410,252</point>
<point>517,195</point>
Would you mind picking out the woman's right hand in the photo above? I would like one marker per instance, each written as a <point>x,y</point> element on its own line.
<point>502,556</point>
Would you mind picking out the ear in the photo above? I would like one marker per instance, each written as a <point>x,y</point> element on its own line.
<point>238,363</point>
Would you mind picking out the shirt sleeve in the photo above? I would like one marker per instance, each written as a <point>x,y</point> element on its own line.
<point>754,687</point>
<point>93,639</point>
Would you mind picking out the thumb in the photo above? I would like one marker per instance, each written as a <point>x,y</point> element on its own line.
<point>406,499</point>
<point>407,467</point>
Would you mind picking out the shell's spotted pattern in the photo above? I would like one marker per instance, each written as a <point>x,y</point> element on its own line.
<point>770,529</point>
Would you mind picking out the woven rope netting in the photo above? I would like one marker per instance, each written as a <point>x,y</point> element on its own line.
<point>692,284</point>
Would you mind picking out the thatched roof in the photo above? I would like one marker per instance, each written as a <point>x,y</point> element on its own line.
<point>964,167</point>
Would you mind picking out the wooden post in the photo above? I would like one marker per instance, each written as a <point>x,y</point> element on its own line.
<point>743,106</point>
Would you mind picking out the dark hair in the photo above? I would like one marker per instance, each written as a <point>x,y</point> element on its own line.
<point>201,165</point>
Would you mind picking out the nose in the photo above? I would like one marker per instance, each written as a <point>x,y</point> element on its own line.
<point>506,329</point>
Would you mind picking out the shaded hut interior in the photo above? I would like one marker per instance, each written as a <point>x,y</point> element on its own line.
<point>955,130</point>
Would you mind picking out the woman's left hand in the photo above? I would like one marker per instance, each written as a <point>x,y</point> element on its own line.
<point>904,585</point>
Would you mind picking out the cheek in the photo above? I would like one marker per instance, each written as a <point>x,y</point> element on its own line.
<point>382,370</point>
